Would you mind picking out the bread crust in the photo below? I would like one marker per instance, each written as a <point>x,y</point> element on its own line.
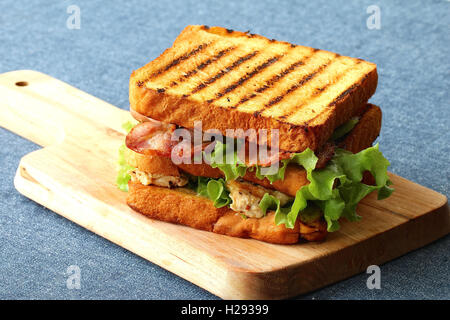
<point>151,163</point>
<point>263,229</point>
<point>365,132</point>
<point>201,170</point>
<point>174,206</point>
<point>294,179</point>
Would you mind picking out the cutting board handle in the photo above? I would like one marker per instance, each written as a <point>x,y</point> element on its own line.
<point>48,111</point>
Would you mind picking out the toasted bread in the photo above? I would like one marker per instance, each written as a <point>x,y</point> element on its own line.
<point>184,207</point>
<point>365,132</point>
<point>236,80</point>
<point>151,163</point>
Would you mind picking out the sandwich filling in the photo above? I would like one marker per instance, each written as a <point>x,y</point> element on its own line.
<point>155,179</point>
<point>335,177</point>
<point>246,197</point>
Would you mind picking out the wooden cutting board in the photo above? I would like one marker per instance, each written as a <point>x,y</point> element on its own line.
<point>74,175</point>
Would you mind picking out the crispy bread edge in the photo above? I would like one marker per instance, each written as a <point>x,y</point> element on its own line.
<point>365,132</point>
<point>296,138</point>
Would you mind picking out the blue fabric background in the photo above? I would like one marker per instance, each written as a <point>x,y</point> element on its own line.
<point>412,53</point>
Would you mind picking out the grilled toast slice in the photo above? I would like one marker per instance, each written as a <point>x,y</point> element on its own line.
<point>235,80</point>
<point>181,206</point>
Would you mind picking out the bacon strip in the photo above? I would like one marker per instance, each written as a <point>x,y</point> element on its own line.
<point>325,154</point>
<point>151,138</point>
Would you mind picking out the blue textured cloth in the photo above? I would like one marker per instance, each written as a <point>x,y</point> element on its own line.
<point>411,50</point>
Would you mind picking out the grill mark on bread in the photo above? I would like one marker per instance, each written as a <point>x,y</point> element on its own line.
<point>295,86</point>
<point>275,79</point>
<point>202,65</point>
<point>319,91</point>
<point>279,76</point>
<point>178,60</point>
<point>168,107</point>
<point>340,97</point>
<point>221,73</point>
<point>247,77</point>
<point>348,90</point>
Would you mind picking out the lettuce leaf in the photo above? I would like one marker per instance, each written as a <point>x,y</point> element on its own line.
<point>270,202</point>
<point>344,129</point>
<point>310,213</point>
<point>122,167</point>
<point>279,175</point>
<point>234,168</point>
<point>218,159</point>
<point>346,171</point>
<point>128,125</point>
<point>213,189</point>
<point>335,190</point>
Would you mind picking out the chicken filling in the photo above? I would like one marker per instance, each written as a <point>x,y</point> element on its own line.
<point>246,196</point>
<point>160,180</point>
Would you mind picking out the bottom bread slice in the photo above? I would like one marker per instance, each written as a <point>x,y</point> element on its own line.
<point>182,206</point>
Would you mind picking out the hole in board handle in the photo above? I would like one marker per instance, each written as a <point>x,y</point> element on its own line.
<point>21,83</point>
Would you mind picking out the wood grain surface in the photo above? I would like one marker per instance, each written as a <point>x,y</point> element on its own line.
<point>74,175</point>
